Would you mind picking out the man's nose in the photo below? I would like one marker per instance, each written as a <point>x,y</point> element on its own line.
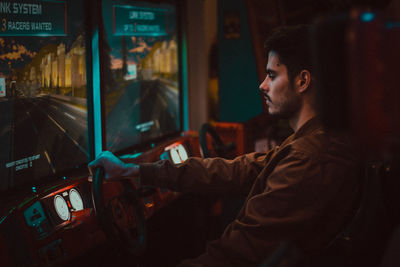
<point>264,85</point>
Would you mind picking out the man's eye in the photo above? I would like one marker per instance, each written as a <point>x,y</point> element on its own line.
<point>271,76</point>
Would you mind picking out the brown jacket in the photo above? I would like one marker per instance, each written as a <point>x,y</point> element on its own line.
<point>302,192</point>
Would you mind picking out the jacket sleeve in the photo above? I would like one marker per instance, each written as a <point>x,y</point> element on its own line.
<point>211,175</point>
<point>288,208</point>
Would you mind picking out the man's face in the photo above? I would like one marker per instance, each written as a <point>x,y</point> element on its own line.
<point>280,96</point>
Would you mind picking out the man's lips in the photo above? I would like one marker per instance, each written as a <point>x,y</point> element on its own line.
<point>267,99</point>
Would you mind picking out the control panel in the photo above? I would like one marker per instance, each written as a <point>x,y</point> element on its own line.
<point>59,224</point>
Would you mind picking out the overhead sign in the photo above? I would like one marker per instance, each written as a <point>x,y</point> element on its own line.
<point>139,21</point>
<point>36,18</point>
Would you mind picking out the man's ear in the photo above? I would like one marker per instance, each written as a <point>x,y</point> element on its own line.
<point>303,81</point>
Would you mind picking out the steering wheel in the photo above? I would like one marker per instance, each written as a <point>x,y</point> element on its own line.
<point>121,218</point>
<point>219,147</point>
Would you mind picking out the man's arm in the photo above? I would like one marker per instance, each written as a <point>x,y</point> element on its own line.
<point>213,175</point>
<point>299,204</point>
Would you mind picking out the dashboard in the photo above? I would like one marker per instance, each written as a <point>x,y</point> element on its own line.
<point>58,224</point>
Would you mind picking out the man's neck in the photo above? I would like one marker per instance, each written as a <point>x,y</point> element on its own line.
<point>304,114</point>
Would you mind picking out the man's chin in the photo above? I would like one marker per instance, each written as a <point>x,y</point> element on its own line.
<point>271,112</point>
<point>277,115</point>
<point>274,113</point>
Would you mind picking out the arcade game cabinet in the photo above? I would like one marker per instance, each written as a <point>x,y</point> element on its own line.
<point>76,78</point>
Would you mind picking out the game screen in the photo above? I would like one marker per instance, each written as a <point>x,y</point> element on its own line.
<point>141,77</point>
<point>43,126</point>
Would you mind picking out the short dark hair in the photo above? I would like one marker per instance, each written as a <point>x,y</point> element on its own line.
<point>291,43</point>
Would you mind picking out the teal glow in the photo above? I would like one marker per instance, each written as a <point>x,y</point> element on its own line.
<point>391,25</point>
<point>367,16</point>
<point>64,178</point>
<point>98,147</point>
<point>141,8</point>
<point>185,97</point>
<point>238,96</point>
<point>131,156</point>
<point>141,34</point>
<point>33,189</point>
<point>3,218</point>
<point>34,215</point>
<point>164,155</point>
<point>53,12</point>
<point>33,34</point>
<point>126,25</point>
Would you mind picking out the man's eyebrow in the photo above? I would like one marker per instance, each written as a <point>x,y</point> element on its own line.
<point>268,70</point>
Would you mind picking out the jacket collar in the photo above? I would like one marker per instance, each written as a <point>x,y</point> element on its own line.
<point>313,124</point>
<point>310,126</point>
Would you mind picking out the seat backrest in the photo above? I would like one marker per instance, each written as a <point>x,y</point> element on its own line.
<point>391,189</point>
<point>362,241</point>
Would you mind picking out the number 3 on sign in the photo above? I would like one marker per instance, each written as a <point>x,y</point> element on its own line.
<point>4,25</point>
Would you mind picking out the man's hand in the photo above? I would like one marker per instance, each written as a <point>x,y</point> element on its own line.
<point>114,168</point>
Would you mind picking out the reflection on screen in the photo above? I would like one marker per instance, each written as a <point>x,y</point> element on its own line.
<point>42,90</point>
<point>142,83</point>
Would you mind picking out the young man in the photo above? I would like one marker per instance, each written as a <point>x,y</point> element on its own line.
<point>302,192</point>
